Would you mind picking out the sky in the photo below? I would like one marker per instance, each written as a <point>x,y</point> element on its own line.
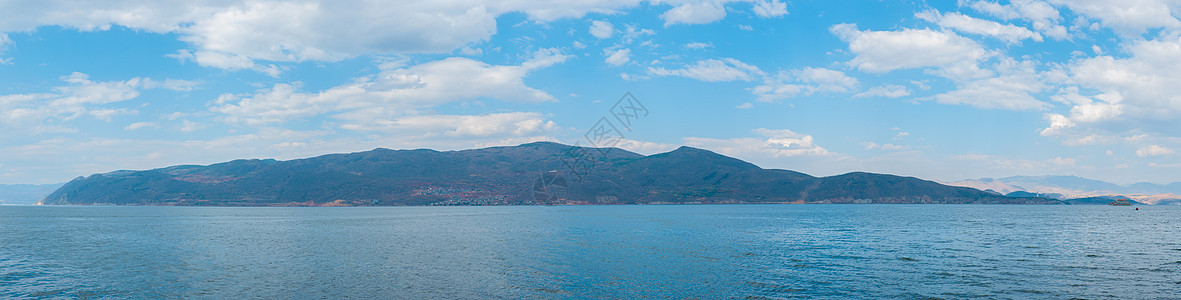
<point>940,90</point>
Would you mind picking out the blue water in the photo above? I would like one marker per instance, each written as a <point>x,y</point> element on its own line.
<point>706,251</point>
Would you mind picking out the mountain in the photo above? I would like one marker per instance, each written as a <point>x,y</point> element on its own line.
<point>25,194</point>
<point>1099,200</point>
<point>1081,190</point>
<point>535,173</point>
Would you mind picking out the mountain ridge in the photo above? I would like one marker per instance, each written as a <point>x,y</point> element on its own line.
<point>532,173</point>
<point>1066,187</point>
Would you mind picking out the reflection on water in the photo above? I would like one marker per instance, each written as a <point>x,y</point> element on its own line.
<point>709,251</point>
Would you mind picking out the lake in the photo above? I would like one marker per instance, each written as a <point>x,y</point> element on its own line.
<point>687,251</point>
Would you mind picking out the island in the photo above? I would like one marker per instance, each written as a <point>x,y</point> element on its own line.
<point>540,173</point>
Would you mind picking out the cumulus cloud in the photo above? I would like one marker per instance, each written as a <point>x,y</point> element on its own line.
<point>171,84</point>
<point>4,42</point>
<point>393,92</point>
<point>1013,88</point>
<point>139,125</point>
<point>617,57</point>
<point>644,147</point>
<point>78,97</point>
<point>1058,123</point>
<point>885,51</point>
<point>966,24</point>
<point>1043,16</point>
<point>770,9</point>
<point>237,36</point>
<point>887,90</point>
<point>467,126</point>
<point>1153,150</point>
<point>1128,17</point>
<point>887,147</point>
<point>712,70</point>
<point>806,81</point>
<point>704,12</point>
<point>601,29</point>
<point>774,143</point>
<point>994,93</point>
<point>253,35</point>
<point>710,11</point>
<point>698,45</point>
<point>1139,91</point>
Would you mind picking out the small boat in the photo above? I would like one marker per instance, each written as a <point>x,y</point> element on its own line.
<point>1120,202</point>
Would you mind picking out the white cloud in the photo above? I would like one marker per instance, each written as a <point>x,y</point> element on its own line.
<point>469,51</point>
<point>806,81</point>
<point>645,148</point>
<point>78,97</point>
<point>884,51</point>
<point>712,70</point>
<point>747,105</point>
<point>994,93</point>
<point>710,11</point>
<point>770,9</point>
<point>601,29</point>
<point>631,33</point>
<point>1128,17</point>
<point>1087,113</point>
<point>1058,123</point>
<point>190,126</point>
<point>1043,16</point>
<point>698,45</point>
<point>235,37</point>
<point>4,42</point>
<point>774,143</point>
<point>1062,162</point>
<point>887,90</point>
<point>1153,150</point>
<point>617,57</point>
<point>1112,94</point>
<point>704,12</point>
<point>242,34</point>
<point>1092,139</point>
<point>139,125</point>
<point>465,126</point>
<point>1012,89</point>
<point>966,24</point>
<point>887,147</point>
<point>394,92</point>
<point>171,84</point>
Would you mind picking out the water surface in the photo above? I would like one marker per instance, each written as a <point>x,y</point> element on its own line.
<point>703,251</point>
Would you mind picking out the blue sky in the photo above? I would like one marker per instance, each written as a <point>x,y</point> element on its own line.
<point>942,90</point>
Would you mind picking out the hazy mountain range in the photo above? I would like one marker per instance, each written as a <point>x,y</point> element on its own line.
<point>535,173</point>
<point>1074,187</point>
<point>25,194</point>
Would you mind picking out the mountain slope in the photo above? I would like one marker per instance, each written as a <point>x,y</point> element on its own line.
<point>502,176</point>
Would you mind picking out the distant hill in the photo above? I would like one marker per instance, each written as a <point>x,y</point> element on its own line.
<point>535,173</point>
<point>1100,200</point>
<point>1081,190</point>
<point>25,194</point>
